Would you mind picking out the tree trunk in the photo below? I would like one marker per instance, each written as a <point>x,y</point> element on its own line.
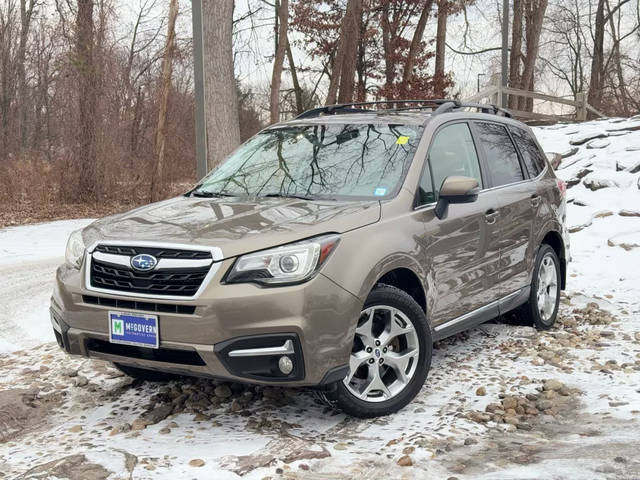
<point>157,191</point>
<point>297,89</point>
<point>25,20</point>
<point>516,51</point>
<point>534,15</point>
<point>441,38</point>
<point>344,62</point>
<point>389,63</point>
<point>86,155</point>
<point>349,60</point>
<point>597,60</point>
<point>416,40</point>
<point>221,99</point>
<point>282,9</point>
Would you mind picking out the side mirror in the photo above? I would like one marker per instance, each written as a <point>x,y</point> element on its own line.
<point>456,189</point>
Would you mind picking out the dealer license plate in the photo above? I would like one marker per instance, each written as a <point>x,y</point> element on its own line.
<point>133,329</point>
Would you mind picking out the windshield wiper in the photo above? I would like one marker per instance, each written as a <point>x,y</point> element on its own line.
<point>203,193</point>
<point>286,195</point>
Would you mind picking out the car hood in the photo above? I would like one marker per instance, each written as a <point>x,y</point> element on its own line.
<point>234,226</point>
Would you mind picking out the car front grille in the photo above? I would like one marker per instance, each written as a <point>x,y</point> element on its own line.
<point>156,252</point>
<point>112,271</point>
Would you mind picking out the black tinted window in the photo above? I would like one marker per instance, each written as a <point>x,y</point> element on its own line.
<point>531,154</point>
<point>502,158</point>
<point>452,153</point>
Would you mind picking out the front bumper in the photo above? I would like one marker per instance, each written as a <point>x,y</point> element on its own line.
<point>318,317</point>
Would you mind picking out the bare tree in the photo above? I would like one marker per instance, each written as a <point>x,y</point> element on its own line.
<point>282,13</point>
<point>415,45</point>
<point>161,129</point>
<point>441,38</point>
<point>85,154</point>
<point>221,99</point>
<point>344,62</point>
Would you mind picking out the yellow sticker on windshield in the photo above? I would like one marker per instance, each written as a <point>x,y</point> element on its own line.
<point>402,140</point>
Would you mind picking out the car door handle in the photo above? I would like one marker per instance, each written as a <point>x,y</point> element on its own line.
<point>535,200</point>
<point>490,216</point>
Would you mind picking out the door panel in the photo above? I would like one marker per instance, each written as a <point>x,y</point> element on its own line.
<point>464,256</point>
<point>461,249</point>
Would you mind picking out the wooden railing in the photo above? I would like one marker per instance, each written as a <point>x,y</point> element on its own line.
<point>496,94</point>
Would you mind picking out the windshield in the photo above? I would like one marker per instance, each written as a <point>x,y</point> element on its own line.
<point>318,161</point>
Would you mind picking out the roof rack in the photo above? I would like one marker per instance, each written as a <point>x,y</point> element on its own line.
<point>437,105</point>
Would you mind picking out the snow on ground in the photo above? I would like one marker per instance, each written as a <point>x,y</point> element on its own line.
<point>501,401</point>
<point>29,256</point>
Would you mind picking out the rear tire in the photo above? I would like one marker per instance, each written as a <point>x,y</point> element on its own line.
<point>145,374</point>
<point>391,356</point>
<point>541,310</point>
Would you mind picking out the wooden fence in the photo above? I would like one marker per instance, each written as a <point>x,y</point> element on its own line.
<point>496,94</point>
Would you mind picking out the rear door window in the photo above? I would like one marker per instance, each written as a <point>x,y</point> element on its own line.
<point>531,154</point>
<point>452,153</point>
<point>502,157</point>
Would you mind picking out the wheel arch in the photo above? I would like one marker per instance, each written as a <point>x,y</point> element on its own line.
<point>554,239</point>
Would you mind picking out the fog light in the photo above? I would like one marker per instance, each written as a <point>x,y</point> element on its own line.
<point>285,365</point>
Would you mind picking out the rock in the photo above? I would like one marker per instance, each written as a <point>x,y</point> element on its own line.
<point>70,372</point>
<point>76,429</point>
<point>303,466</point>
<point>81,381</point>
<point>629,213</point>
<point>200,417</point>
<point>164,430</point>
<point>492,407</point>
<point>553,385</point>
<point>159,413</point>
<point>196,462</point>
<point>481,392</point>
<point>470,441</point>
<point>222,391</point>
<point>125,427</point>
<point>618,404</point>
<point>408,450</point>
<point>509,402</point>
<point>405,461</point>
<point>544,405</point>
<point>139,424</point>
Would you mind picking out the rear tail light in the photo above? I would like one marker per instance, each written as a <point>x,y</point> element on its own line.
<point>562,186</point>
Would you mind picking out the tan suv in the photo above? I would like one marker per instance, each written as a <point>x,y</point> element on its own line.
<point>328,251</point>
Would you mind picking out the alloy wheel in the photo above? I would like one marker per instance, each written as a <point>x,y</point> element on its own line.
<point>384,356</point>
<point>547,293</point>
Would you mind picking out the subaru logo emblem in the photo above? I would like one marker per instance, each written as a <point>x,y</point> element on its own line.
<point>144,262</point>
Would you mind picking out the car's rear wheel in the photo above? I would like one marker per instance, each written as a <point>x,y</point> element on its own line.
<point>145,374</point>
<point>390,357</point>
<point>542,308</point>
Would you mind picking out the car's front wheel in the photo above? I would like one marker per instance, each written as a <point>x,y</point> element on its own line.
<point>390,357</point>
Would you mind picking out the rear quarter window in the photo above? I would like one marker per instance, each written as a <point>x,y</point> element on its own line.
<point>531,155</point>
<point>502,156</point>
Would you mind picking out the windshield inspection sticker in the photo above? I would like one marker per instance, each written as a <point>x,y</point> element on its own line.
<point>402,140</point>
<point>380,192</point>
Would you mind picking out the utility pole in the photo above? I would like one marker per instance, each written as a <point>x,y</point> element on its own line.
<point>505,50</point>
<point>198,80</point>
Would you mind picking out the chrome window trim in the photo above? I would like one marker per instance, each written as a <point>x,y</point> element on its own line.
<point>216,255</point>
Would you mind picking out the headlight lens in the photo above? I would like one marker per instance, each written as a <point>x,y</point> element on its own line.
<point>75,249</point>
<point>292,263</point>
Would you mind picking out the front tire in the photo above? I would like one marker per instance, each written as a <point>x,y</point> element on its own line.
<point>541,310</point>
<point>390,357</point>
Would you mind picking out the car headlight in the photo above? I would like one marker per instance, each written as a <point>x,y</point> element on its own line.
<point>75,249</point>
<point>293,263</point>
